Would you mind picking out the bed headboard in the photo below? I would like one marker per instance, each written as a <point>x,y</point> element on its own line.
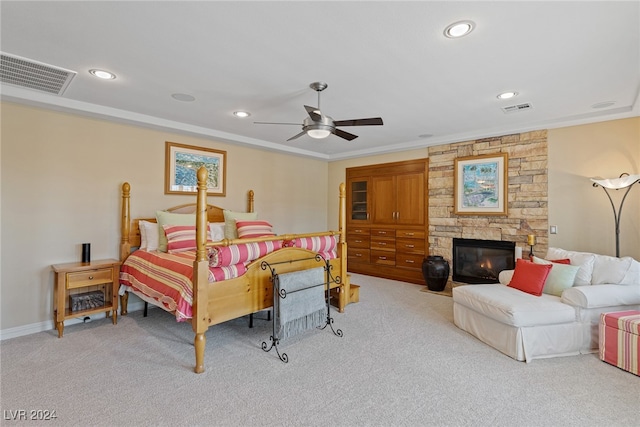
<point>130,232</point>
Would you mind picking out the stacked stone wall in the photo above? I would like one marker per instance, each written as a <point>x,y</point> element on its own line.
<point>527,194</point>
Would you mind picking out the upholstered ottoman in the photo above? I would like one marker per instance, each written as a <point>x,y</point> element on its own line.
<point>620,339</point>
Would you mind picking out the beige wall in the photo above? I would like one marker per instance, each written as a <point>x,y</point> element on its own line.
<point>583,213</point>
<point>61,176</point>
<point>61,179</point>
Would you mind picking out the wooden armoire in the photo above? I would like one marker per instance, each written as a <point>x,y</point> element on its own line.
<point>387,219</point>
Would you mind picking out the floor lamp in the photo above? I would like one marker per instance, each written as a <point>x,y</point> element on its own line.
<point>624,181</point>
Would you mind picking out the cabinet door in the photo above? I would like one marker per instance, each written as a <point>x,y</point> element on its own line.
<point>384,199</point>
<point>358,200</point>
<point>410,200</point>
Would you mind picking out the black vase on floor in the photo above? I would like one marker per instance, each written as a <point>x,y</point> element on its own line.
<point>435,270</point>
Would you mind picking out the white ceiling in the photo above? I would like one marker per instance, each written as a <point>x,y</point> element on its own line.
<point>379,58</point>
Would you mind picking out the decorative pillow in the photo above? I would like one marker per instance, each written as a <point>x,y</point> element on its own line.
<point>217,231</point>
<point>250,229</point>
<point>560,277</point>
<point>181,238</point>
<point>319,244</point>
<point>169,218</point>
<point>585,260</point>
<point>143,236</point>
<point>222,256</point>
<point>150,236</point>
<point>529,277</point>
<point>230,231</point>
<point>561,261</point>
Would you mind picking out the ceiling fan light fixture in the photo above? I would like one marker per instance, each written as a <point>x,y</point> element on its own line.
<point>318,133</point>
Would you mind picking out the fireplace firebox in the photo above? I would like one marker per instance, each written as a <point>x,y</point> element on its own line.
<point>480,261</point>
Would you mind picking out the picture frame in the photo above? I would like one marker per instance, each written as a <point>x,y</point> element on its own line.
<point>481,185</point>
<point>182,163</point>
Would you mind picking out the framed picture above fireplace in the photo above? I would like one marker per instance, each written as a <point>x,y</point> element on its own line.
<point>480,185</point>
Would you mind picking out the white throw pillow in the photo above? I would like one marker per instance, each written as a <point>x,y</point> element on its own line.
<point>217,231</point>
<point>585,260</point>
<point>561,276</point>
<point>143,236</point>
<point>152,236</point>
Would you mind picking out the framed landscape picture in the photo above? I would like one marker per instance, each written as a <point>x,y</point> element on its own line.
<point>182,163</point>
<point>480,185</point>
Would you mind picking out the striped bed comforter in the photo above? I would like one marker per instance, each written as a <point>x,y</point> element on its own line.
<point>165,279</point>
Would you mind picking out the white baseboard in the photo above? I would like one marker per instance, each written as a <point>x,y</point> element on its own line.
<point>34,328</point>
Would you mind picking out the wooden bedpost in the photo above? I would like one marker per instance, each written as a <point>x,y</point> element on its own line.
<point>199,321</point>
<point>342,246</point>
<point>250,201</point>
<point>125,222</point>
<point>125,244</point>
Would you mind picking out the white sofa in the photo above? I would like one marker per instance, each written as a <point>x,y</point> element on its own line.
<point>526,327</point>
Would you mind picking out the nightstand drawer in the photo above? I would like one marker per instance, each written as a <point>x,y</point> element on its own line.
<point>89,278</point>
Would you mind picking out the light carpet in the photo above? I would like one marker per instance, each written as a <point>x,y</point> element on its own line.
<point>401,362</point>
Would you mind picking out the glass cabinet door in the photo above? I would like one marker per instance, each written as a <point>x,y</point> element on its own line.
<point>359,200</point>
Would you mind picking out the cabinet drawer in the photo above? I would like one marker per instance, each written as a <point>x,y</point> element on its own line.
<point>359,231</point>
<point>382,257</point>
<point>383,244</point>
<point>415,246</point>
<point>357,255</point>
<point>383,232</point>
<point>358,241</point>
<point>409,261</point>
<point>411,234</point>
<point>89,278</point>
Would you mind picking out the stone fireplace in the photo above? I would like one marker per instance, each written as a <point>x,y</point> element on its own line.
<point>527,194</point>
<point>480,261</point>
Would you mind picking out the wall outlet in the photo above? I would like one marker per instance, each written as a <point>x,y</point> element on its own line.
<point>553,229</point>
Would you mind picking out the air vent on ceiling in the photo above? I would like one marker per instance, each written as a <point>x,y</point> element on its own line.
<point>35,75</point>
<point>518,107</point>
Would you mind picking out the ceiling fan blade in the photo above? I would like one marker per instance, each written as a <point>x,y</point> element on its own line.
<point>345,135</point>
<point>275,123</point>
<point>296,136</point>
<point>359,122</point>
<point>313,114</point>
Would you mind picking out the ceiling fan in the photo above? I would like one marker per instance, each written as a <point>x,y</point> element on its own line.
<point>319,125</point>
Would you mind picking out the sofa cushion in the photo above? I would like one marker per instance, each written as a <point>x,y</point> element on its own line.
<point>585,260</point>
<point>597,296</point>
<point>608,269</point>
<point>513,307</point>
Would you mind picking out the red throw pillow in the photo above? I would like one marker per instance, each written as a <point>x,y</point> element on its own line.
<point>529,277</point>
<point>561,261</point>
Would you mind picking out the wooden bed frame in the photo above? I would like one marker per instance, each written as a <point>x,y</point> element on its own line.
<point>217,302</point>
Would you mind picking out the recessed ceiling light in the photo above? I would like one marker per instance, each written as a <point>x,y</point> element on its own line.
<point>106,75</point>
<point>425,135</point>
<point>183,97</point>
<point>507,95</point>
<point>241,114</point>
<point>604,104</point>
<point>459,29</point>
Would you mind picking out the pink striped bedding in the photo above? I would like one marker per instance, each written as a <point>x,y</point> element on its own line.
<point>166,278</point>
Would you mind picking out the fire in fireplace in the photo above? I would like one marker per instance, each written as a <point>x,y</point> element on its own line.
<point>480,261</point>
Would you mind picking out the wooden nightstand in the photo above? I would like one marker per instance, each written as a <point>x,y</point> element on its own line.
<point>76,278</point>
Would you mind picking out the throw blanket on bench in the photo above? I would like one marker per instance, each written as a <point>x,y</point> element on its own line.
<point>304,306</point>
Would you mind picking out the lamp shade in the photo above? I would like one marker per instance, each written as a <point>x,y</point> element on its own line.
<point>617,183</point>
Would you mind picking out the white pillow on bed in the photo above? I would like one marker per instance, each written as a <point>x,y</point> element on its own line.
<point>217,230</point>
<point>150,236</point>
